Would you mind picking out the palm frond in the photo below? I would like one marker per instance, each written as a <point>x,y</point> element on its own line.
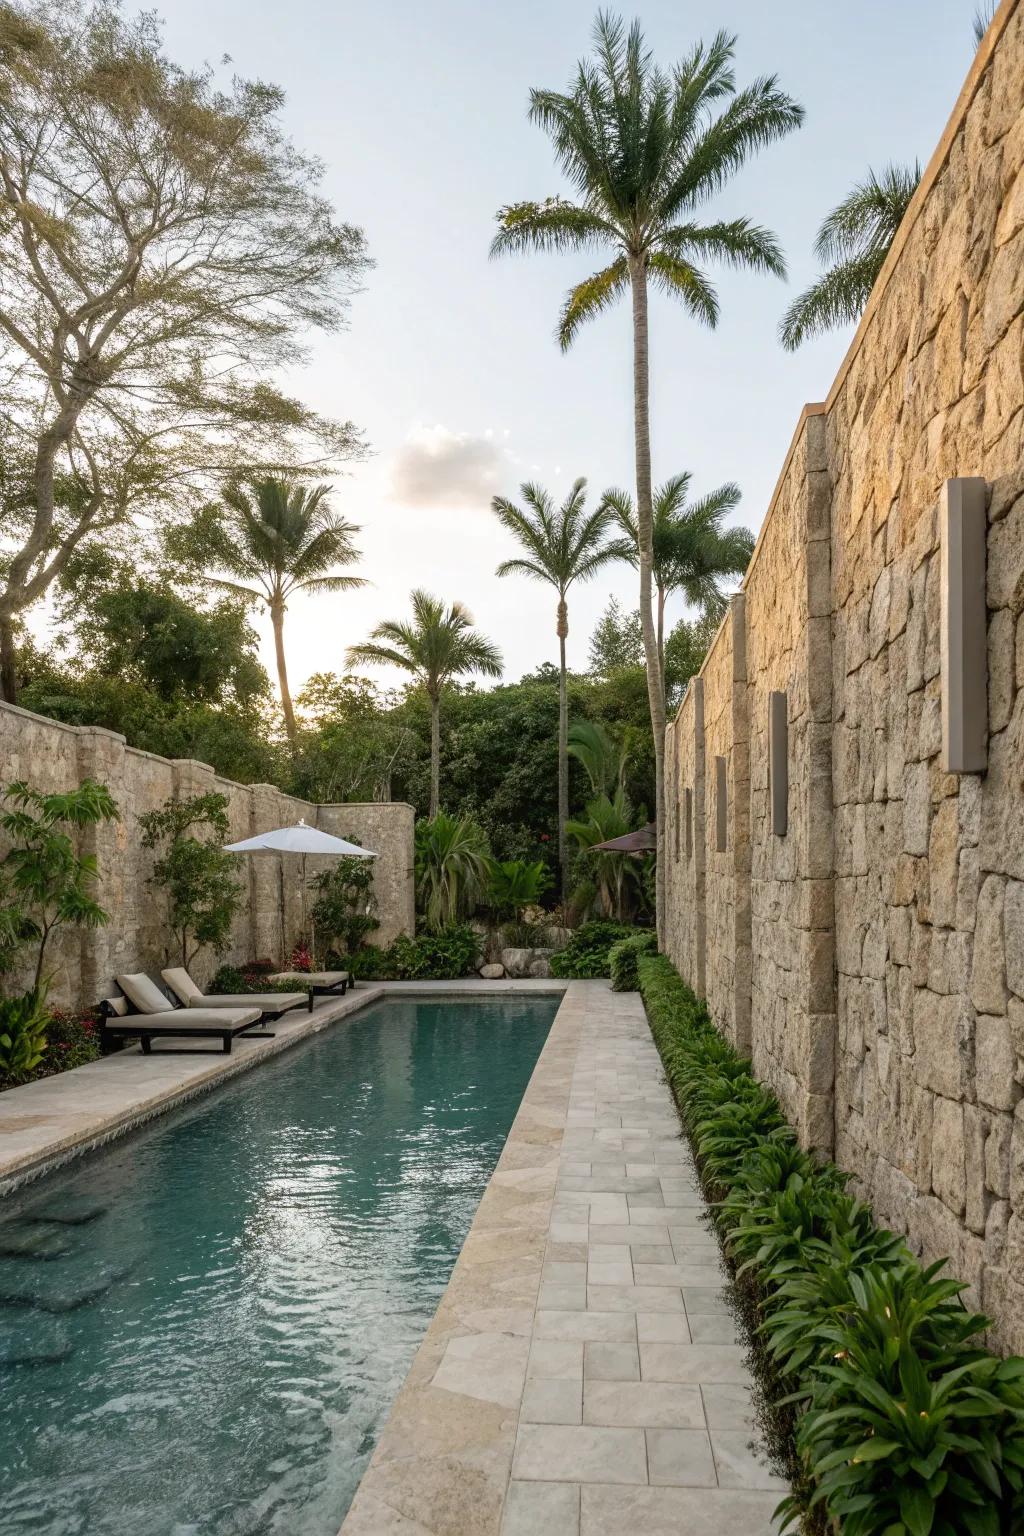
<point>681,280</point>
<point>868,217</point>
<point>589,298</point>
<point>837,298</point>
<point>736,242</point>
<point>552,225</point>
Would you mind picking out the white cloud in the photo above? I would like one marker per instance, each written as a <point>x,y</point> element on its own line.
<point>438,468</point>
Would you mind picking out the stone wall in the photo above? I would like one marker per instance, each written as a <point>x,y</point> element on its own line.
<point>54,757</point>
<point>885,957</point>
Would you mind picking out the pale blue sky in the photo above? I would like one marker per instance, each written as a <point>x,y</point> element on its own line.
<point>418,108</point>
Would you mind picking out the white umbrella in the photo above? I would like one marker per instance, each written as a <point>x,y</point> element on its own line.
<point>301,839</point>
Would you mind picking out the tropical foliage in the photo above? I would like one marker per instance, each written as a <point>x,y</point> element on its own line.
<point>197,876</point>
<point>23,1042</point>
<point>345,908</point>
<point>694,552</point>
<point>586,956</point>
<point>853,241</point>
<point>275,538</point>
<point>438,645</point>
<point>644,150</point>
<point>515,885</point>
<point>452,869</point>
<point>561,545</point>
<point>899,1421</point>
<point>616,878</point>
<point>44,883</point>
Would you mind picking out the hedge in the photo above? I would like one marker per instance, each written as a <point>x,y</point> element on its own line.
<point>899,1422</point>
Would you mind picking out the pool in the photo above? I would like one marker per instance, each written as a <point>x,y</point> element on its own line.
<point>219,1310</point>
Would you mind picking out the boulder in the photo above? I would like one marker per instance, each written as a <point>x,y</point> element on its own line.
<point>540,967</point>
<point>517,962</point>
<point>491,972</point>
<point>557,938</point>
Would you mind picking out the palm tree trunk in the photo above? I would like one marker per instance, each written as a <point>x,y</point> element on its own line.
<point>435,754</point>
<point>661,636</point>
<point>645,530</point>
<point>277,619</point>
<point>563,748</point>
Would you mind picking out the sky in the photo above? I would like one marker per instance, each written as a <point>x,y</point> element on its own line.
<point>449,364</point>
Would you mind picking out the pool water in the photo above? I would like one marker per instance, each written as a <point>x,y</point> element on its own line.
<point>202,1328</point>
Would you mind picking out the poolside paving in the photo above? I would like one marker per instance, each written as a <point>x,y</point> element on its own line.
<point>582,1375</point>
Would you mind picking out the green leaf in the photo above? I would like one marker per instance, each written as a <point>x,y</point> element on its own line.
<point>918,1509</point>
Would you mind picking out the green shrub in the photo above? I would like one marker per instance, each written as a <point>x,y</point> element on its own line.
<point>586,954</point>
<point>23,1041</point>
<point>72,1039</point>
<point>623,957</point>
<point>228,979</point>
<point>442,956</point>
<point>903,1425</point>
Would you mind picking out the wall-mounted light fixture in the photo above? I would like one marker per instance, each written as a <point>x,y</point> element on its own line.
<point>688,801</point>
<point>721,804</point>
<point>778,762</point>
<point>963,626</point>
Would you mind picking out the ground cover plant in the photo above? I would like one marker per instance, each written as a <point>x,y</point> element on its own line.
<point>586,956</point>
<point>893,1419</point>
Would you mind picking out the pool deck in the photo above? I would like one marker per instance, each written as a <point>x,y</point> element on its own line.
<point>582,1375</point>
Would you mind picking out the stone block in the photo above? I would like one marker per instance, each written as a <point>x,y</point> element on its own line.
<point>941,1043</point>
<point>1013,935</point>
<point>988,973</point>
<point>949,1171</point>
<point>997,1155</point>
<point>995,1062</point>
<point>492,972</point>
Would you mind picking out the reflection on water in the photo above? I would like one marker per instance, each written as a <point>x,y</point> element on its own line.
<point>201,1330</point>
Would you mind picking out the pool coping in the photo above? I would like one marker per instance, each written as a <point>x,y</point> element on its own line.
<point>57,1119</point>
<point>444,1455</point>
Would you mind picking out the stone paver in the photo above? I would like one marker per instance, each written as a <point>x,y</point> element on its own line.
<point>633,1404</point>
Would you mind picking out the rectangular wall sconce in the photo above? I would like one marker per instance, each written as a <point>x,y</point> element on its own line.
<point>778,762</point>
<point>675,829</point>
<point>688,802</point>
<point>721,804</point>
<point>963,625</point>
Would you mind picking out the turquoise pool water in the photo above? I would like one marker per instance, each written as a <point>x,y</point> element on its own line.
<point>221,1308</point>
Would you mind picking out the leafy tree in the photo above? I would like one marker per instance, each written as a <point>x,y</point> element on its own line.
<point>685,649</point>
<point>452,869</point>
<point>47,884</point>
<point>617,641</point>
<point>345,906</point>
<point>562,545</point>
<point>150,635</point>
<point>644,150</point>
<point>198,876</point>
<point>164,247</point>
<point>277,537</point>
<point>439,644</point>
<point>693,552</point>
<point>350,742</point>
<point>854,241</point>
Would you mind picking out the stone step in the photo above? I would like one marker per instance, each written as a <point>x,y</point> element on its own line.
<point>32,1338</point>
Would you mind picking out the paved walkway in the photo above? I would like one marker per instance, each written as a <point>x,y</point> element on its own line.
<point>581,1376</point>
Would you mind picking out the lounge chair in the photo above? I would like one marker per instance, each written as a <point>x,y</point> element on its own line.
<point>320,983</point>
<point>188,994</point>
<point>145,1013</point>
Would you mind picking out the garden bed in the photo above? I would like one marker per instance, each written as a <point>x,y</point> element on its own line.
<point>876,1396</point>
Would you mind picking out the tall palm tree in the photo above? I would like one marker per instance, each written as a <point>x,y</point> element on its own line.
<point>644,150</point>
<point>563,544</point>
<point>693,552</point>
<point>280,537</point>
<point>855,238</point>
<point>439,644</point>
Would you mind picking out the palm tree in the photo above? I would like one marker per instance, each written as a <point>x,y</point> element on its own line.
<point>563,544</point>
<point>453,868</point>
<point>279,538</point>
<point>644,150</point>
<point>439,644</point>
<point>693,553</point>
<point>855,238</point>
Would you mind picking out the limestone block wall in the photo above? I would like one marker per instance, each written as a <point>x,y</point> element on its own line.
<point>53,757</point>
<point>886,981</point>
<point>685,837</point>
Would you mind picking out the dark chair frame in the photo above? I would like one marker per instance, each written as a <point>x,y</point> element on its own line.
<point>114,1025</point>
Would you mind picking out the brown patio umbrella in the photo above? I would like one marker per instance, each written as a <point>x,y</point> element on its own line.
<point>644,840</point>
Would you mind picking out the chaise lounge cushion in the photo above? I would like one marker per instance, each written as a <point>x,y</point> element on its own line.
<point>187,1021</point>
<point>143,993</point>
<point>181,983</point>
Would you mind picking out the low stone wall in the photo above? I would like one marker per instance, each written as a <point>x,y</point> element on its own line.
<point>54,758</point>
<point>870,951</point>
